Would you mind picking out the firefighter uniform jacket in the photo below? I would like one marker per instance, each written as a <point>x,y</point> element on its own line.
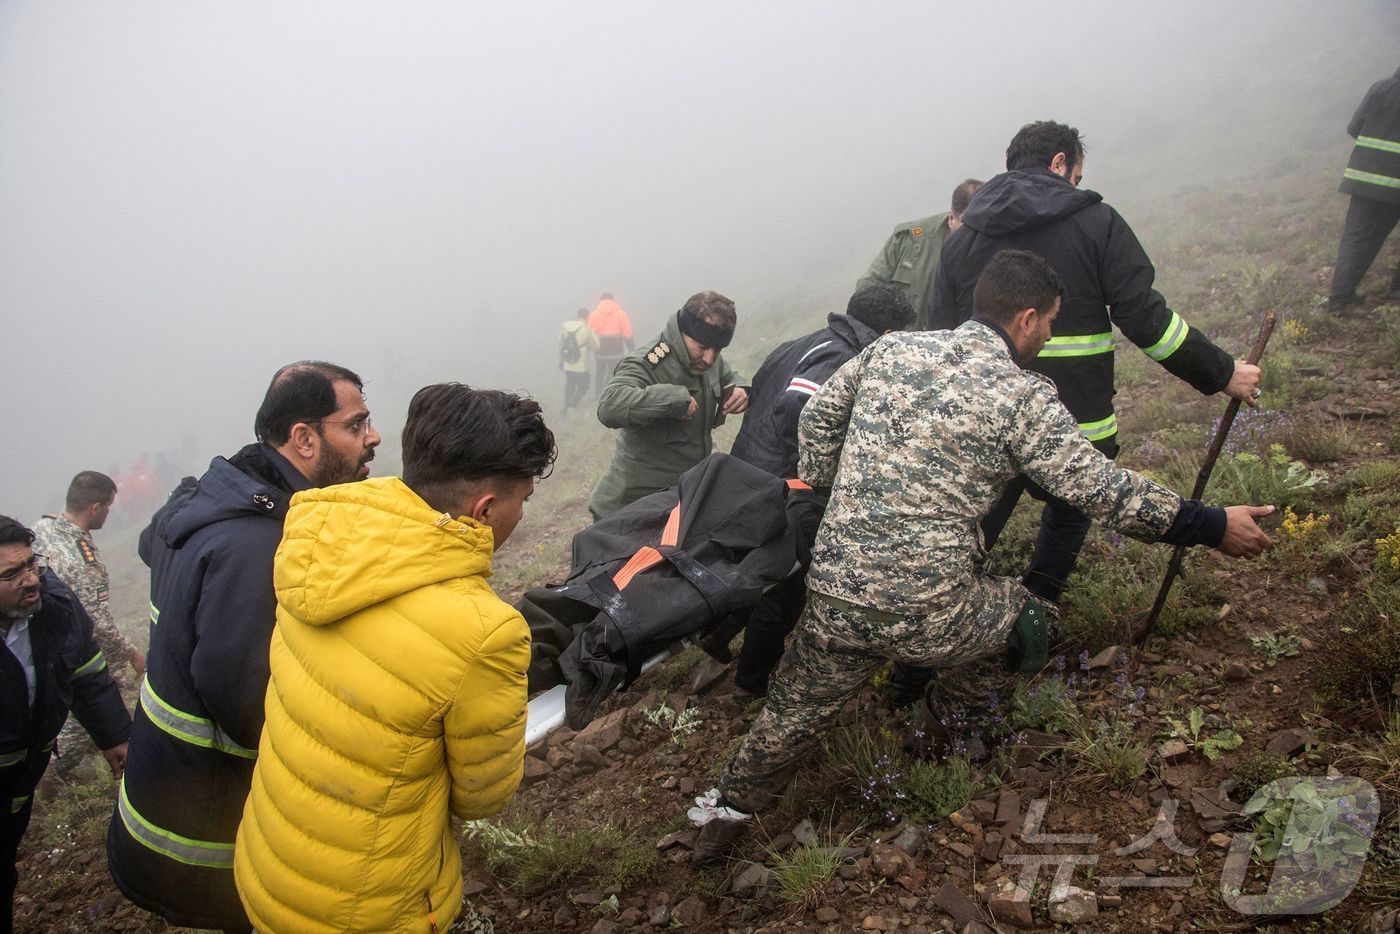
<point>195,736</point>
<point>1374,170</point>
<point>1108,281</point>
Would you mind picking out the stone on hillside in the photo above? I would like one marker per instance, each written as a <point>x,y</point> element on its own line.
<point>956,903</point>
<point>889,860</point>
<point>804,833</point>
<point>660,916</point>
<point>691,911</point>
<point>909,840</point>
<point>563,917</point>
<point>1289,743</point>
<point>977,927</point>
<point>1008,807</point>
<point>1012,905</point>
<point>1105,659</point>
<point>1070,904</point>
<point>873,923</point>
<point>589,756</point>
<point>605,732</point>
<point>751,877</point>
<point>1173,751</point>
<point>826,915</point>
<point>535,769</point>
<point>1237,671</point>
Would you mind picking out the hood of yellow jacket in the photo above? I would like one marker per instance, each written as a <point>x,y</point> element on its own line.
<point>355,545</point>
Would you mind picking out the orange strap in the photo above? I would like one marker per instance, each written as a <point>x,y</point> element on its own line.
<point>647,556</point>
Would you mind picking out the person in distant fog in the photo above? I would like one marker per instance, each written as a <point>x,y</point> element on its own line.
<point>1372,178</point>
<point>910,256</point>
<point>66,541</point>
<point>614,331</point>
<point>578,348</point>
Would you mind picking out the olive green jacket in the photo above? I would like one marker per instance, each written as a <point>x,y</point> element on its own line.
<point>647,399</point>
<point>909,260</point>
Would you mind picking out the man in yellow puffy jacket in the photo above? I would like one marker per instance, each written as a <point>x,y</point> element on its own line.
<point>397,694</point>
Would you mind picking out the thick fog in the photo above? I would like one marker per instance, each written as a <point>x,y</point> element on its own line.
<point>192,194</point>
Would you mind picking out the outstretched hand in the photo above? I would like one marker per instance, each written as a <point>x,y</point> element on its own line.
<point>1243,538</point>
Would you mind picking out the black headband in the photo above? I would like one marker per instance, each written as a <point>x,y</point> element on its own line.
<point>716,336</point>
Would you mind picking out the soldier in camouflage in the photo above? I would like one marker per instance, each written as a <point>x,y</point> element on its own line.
<point>66,541</point>
<point>917,437</point>
<point>666,400</point>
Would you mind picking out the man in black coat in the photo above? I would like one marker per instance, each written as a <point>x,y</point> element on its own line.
<point>51,666</point>
<point>200,715</point>
<point>1037,205</point>
<point>1372,178</point>
<point>790,376</point>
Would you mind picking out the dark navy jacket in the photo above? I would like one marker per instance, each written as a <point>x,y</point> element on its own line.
<point>790,376</point>
<point>196,730</point>
<point>70,674</point>
<point>1374,170</point>
<point>1108,281</point>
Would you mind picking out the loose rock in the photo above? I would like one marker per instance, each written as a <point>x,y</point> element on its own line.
<point>1070,904</point>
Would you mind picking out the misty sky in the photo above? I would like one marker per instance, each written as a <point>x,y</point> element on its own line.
<point>192,194</point>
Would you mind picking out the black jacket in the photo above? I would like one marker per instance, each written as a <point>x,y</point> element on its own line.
<point>1374,170</point>
<point>1108,281</point>
<point>196,731</point>
<point>70,674</point>
<point>787,379</point>
<point>734,540</point>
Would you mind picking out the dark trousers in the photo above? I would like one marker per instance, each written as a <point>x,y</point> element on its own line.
<point>606,365</point>
<point>575,388</point>
<point>1062,531</point>
<point>1367,225</point>
<point>12,828</point>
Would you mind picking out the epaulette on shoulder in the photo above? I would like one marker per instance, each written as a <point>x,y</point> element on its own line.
<point>87,551</point>
<point>658,353</point>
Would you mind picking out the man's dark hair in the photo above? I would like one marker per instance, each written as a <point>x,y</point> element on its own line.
<point>1035,145</point>
<point>1015,280</point>
<point>457,434</point>
<point>582,314</point>
<point>88,489</point>
<point>300,392</point>
<point>881,306</point>
<point>605,295</point>
<point>962,195</point>
<point>712,308</point>
<point>14,533</point>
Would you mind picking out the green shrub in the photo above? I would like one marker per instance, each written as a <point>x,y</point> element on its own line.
<point>1258,770</point>
<point>1277,479</point>
<point>888,783</point>
<point>531,856</point>
<point>801,873</point>
<point>1364,661</point>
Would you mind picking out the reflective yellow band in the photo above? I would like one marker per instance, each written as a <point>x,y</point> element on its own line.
<point>1371,178</point>
<point>155,614</point>
<point>1103,428</point>
<point>1078,345</point>
<point>17,804</point>
<point>92,666</point>
<point>8,759</point>
<point>1375,142</point>
<point>1172,338</point>
<point>181,849</point>
<point>199,731</point>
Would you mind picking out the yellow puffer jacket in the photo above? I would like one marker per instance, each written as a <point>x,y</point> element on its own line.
<point>397,695</point>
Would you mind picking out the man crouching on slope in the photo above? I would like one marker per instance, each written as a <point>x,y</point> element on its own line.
<point>397,693</point>
<point>917,437</point>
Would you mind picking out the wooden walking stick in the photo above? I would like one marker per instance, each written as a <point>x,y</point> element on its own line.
<point>1212,453</point>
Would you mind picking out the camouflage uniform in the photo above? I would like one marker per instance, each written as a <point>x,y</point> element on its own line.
<point>917,437</point>
<point>74,559</point>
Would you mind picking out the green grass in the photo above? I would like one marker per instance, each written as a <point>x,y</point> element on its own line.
<point>800,874</point>
<point>886,783</point>
<point>531,856</point>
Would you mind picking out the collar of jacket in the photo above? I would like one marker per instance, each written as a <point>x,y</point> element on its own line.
<point>928,224</point>
<point>1000,332</point>
<point>353,545</point>
<point>852,330</point>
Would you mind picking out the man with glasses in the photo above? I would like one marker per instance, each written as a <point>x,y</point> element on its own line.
<point>51,662</point>
<point>66,540</point>
<point>195,736</point>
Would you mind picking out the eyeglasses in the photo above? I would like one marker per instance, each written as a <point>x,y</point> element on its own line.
<point>356,426</point>
<point>35,565</point>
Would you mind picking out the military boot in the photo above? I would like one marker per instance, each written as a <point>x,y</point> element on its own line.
<point>716,841</point>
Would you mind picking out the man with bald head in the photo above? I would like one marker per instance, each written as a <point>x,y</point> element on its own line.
<point>195,735</point>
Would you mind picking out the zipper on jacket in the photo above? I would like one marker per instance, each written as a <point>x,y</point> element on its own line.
<point>432,918</point>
